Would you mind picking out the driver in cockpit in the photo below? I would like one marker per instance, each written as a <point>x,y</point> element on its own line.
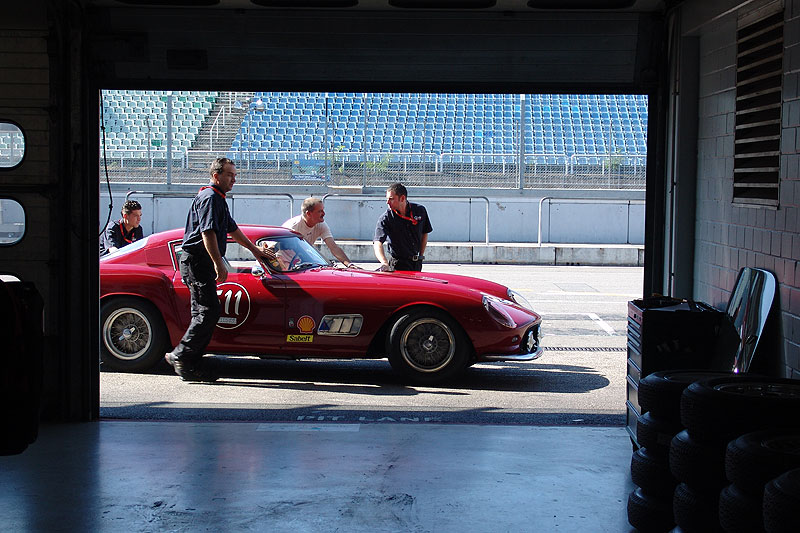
<point>286,258</point>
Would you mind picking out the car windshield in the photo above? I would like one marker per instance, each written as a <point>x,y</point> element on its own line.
<point>136,245</point>
<point>293,254</point>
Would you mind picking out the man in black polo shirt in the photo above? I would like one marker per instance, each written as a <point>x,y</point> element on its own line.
<point>406,227</point>
<point>125,230</point>
<point>201,264</point>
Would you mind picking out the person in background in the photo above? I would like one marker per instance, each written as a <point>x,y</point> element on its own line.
<point>406,227</point>
<point>124,231</point>
<point>310,223</point>
<point>202,267</point>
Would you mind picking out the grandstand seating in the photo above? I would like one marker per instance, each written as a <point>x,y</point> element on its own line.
<point>136,119</point>
<point>478,128</point>
<point>475,125</point>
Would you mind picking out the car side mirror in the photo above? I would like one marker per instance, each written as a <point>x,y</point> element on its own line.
<point>257,270</point>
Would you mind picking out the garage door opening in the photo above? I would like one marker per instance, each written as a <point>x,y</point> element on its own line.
<point>480,163</point>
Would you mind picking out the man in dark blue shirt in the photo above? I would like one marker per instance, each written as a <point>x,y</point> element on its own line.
<point>202,266</point>
<point>405,226</point>
<point>125,230</point>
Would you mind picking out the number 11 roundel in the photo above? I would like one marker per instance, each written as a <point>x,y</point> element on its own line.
<point>235,302</point>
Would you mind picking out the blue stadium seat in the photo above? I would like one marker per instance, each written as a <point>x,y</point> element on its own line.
<point>422,122</point>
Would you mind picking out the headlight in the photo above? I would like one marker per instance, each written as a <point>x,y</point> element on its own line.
<point>494,306</point>
<point>519,299</point>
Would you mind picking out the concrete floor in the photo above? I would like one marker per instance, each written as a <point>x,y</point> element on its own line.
<point>236,476</point>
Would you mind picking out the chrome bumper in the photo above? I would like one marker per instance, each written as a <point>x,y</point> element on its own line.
<point>536,354</point>
<point>530,341</point>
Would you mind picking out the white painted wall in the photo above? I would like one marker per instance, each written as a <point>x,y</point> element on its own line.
<point>462,219</point>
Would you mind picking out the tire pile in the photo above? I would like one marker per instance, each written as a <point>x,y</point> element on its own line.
<point>718,453</point>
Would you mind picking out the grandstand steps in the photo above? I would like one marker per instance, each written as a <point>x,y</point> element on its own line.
<point>221,125</point>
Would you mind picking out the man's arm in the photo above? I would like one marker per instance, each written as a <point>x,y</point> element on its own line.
<point>377,247</point>
<point>257,252</point>
<point>212,247</point>
<point>112,238</point>
<point>423,243</point>
<point>337,252</point>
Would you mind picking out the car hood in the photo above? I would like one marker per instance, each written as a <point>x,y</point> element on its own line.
<point>413,280</point>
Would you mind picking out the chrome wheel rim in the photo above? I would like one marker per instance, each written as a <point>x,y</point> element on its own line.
<point>127,334</point>
<point>427,345</point>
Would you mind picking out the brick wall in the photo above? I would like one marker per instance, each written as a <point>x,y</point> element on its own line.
<point>729,237</point>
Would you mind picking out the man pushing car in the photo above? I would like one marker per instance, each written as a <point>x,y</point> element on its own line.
<point>201,264</point>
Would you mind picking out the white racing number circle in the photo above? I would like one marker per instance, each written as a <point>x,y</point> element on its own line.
<point>235,302</point>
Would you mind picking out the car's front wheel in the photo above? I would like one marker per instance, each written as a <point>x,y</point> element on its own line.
<point>427,346</point>
<point>134,337</point>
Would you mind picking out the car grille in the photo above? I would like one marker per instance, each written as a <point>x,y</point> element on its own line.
<point>530,341</point>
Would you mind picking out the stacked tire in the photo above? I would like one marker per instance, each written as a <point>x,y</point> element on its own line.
<point>714,412</point>
<point>650,505</point>
<point>781,501</point>
<point>752,461</point>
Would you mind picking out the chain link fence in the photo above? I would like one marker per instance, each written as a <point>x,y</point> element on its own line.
<point>372,140</point>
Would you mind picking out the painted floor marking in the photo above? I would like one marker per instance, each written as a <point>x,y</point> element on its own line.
<point>593,316</point>
<point>309,427</point>
<point>602,323</point>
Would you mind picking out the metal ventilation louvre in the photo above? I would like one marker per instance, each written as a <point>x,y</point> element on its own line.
<point>759,73</point>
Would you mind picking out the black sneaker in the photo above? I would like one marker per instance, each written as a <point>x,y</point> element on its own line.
<point>190,373</point>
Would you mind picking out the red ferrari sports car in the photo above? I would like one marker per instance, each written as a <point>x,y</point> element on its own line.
<point>430,326</point>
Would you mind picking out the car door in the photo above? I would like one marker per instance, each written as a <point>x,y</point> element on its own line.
<point>252,305</point>
<point>325,314</point>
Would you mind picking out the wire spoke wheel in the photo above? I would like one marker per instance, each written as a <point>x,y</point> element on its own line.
<point>133,335</point>
<point>428,345</point>
<point>127,333</point>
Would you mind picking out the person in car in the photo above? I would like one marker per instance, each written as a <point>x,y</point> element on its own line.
<point>123,231</point>
<point>310,223</point>
<point>405,226</point>
<point>202,267</point>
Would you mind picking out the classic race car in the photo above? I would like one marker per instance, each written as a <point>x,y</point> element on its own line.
<point>430,326</point>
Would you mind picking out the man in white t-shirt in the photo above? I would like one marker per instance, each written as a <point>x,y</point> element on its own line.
<point>310,224</point>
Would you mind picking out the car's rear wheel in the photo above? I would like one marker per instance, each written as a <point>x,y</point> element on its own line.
<point>427,346</point>
<point>134,337</point>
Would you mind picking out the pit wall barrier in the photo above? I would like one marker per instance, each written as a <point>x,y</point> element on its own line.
<point>515,219</point>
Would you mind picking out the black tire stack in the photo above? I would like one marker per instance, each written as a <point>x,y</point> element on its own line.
<point>699,467</point>
<point>751,462</point>
<point>650,505</point>
<point>781,501</point>
<point>715,412</point>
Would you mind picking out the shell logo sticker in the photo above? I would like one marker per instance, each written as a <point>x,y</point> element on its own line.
<point>235,301</point>
<point>306,324</point>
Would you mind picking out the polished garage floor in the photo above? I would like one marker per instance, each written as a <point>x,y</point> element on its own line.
<point>236,476</point>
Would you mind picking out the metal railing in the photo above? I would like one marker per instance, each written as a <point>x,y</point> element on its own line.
<point>186,194</point>
<point>215,127</point>
<point>495,171</point>
<point>577,201</point>
<point>376,169</point>
<point>449,198</point>
<point>134,157</point>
